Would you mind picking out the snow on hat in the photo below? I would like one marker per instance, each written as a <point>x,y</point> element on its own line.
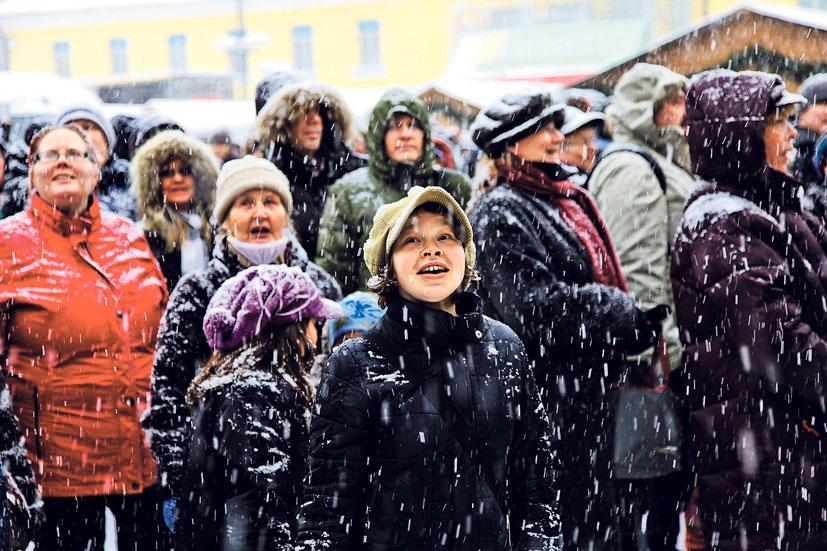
<point>391,218</point>
<point>259,298</point>
<point>512,118</point>
<point>575,119</point>
<point>89,113</point>
<point>241,175</point>
<point>814,89</point>
<point>361,311</point>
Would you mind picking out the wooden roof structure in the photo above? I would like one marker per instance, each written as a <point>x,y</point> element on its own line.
<point>761,37</point>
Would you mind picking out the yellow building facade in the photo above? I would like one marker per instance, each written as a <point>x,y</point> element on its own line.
<point>352,44</point>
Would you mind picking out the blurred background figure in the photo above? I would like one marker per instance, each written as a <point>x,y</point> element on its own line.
<point>223,147</point>
<point>580,145</point>
<point>145,127</point>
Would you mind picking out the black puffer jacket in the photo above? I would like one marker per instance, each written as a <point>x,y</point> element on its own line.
<point>388,460</point>
<point>537,278</point>
<point>16,463</point>
<point>182,349</point>
<point>246,461</point>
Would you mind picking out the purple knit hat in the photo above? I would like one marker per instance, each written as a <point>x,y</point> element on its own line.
<point>259,298</point>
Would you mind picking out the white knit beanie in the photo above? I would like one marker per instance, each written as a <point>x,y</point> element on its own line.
<point>241,175</point>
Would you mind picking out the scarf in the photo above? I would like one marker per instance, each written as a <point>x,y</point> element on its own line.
<point>577,209</point>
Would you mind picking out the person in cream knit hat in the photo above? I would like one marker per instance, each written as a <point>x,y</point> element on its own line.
<point>248,173</point>
<point>427,386</point>
<point>390,220</point>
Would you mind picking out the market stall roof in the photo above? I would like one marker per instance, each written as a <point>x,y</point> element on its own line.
<point>780,39</point>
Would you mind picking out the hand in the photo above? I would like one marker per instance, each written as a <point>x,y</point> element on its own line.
<point>656,315</point>
<point>170,512</point>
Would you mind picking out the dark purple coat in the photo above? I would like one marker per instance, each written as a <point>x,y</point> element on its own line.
<point>749,271</point>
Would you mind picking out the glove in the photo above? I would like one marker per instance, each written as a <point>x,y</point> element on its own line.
<point>656,315</point>
<point>170,512</point>
<point>647,328</point>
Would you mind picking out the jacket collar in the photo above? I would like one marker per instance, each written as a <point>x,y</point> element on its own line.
<point>773,191</point>
<point>413,325</point>
<point>62,223</point>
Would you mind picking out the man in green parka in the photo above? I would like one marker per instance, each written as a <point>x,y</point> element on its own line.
<point>401,156</point>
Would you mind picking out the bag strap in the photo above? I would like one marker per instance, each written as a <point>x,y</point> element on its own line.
<point>457,419</point>
<point>629,148</point>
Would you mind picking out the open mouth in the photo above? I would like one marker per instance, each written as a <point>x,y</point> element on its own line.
<point>433,269</point>
<point>260,232</point>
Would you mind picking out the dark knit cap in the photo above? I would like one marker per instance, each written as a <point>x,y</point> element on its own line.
<point>512,118</point>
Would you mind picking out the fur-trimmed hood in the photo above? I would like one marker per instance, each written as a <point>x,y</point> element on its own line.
<point>154,154</point>
<point>276,117</point>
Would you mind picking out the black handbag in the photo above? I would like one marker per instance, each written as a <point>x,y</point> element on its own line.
<point>647,426</point>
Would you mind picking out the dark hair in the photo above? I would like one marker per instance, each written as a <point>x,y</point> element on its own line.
<point>385,284</point>
<point>285,348</point>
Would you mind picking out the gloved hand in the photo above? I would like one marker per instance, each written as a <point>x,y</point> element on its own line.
<point>656,315</point>
<point>648,328</point>
<point>170,512</point>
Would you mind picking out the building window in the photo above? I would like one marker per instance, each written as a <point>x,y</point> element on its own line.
<point>303,47</point>
<point>177,53</point>
<point>61,52</point>
<point>4,52</point>
<point>117,50</point>
<point>369,43</point>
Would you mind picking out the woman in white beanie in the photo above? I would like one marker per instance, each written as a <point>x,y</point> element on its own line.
<point>428,431</point>
<point>251,213</point>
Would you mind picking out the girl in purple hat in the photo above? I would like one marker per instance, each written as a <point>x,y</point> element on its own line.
<point>250,405</point>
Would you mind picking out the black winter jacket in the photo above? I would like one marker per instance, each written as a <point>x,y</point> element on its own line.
<point>537,278</point>
<point>388,459</point>
<point>182,350</point>
<point>246,462</point>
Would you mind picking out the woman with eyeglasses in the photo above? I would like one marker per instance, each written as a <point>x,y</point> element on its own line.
<point>81,298</point>
<point>174,176</point>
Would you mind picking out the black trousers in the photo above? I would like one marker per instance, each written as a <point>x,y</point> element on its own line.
<point>79,523</point>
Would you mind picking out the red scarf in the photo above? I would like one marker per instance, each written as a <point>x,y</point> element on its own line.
<point>578,210</point>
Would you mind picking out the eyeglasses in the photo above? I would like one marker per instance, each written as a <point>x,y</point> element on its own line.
<point>51,156</point>
<point>169,172</point>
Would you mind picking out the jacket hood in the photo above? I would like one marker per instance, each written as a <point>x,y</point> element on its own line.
<point>632,112</point>
<point>275,119</point>
<point>150,159</point>
<point>380,165</point>
<point>726,113</point>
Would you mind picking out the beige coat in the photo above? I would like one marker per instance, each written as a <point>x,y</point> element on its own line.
<point>642,220</point>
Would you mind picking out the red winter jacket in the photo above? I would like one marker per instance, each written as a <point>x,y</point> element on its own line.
<point>82,298</point>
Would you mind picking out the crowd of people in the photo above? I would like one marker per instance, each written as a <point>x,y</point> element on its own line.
<point>399,340</point>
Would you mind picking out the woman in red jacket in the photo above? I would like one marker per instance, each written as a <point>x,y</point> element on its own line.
<point>82,297</point>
